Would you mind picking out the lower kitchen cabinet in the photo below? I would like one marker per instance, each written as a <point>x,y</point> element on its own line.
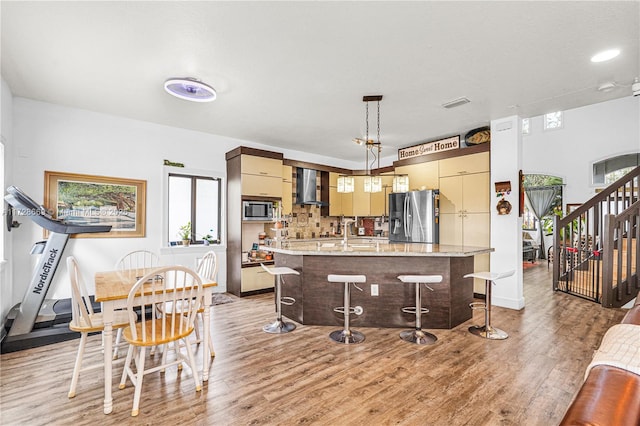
<point>254,278</point>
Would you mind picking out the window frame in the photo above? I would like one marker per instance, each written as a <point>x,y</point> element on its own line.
<point>169,241</point>
<point>545,124</point>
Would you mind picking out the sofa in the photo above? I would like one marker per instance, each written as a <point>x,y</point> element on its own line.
<point>610,394</point>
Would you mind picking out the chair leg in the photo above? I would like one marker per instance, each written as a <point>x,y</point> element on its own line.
<point>126,371</point>
<point>192,365</point>
<point>78,365</point>
<point>196,327</point>
<point>139,376</point>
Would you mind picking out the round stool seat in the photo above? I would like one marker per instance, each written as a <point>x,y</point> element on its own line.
<point>280,270</point>
<point>346,278</point>
<point>427,279</point>
<point>491,276</point>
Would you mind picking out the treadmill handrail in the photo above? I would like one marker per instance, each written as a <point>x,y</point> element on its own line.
<point>37,213</point>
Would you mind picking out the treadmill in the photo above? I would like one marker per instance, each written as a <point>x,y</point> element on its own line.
<point>38,321</point>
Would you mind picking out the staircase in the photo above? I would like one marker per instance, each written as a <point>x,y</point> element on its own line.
<point>597,246</point>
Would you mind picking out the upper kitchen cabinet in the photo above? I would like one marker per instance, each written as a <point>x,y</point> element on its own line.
<point>465,164</point>
<point>379,200</point>
<point>422,174</point>
<point>340,204</point>
<point>465,194</point>
<point>361,199</point>
<point>261,176</point>
<point>287,189</point>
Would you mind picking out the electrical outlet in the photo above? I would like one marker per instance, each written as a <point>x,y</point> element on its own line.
<point>374,290</point>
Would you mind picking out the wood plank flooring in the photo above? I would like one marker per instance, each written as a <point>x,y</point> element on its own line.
<point>304,378</point>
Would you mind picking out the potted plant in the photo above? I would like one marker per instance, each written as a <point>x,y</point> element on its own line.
<point>185,234</point>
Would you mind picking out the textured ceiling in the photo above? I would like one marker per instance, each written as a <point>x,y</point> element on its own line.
<point>292,74</point>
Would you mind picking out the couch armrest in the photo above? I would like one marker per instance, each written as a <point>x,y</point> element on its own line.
<point>609,396</point>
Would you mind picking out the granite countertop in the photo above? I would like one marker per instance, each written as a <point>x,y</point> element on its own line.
<point>371,247</point>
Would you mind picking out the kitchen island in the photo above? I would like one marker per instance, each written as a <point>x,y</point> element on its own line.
<point>381,262</point>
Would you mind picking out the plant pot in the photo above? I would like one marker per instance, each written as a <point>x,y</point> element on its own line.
<point>186,243</point>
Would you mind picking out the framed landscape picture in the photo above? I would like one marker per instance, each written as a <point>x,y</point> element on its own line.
<point>97,200</point>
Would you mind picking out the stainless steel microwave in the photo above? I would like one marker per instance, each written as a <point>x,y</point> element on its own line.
<point>257,210</point>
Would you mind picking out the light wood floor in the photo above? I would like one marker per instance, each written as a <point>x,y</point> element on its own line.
<point>303,378</point>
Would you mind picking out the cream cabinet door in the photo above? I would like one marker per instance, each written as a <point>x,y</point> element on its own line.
<point>421,175</point>
<point>475,192</point>
<point>335,202</point>
<point>450,229</point>
<point>262,186</point>
<point>475,228</point>
<point>255,278</point>
<point>287,190</point>
<point>451,194</point>
<point>253,165</point>
<point>379,200</point>
<point>347,204</point>
<point>361,199</point>
<point>465,164</point>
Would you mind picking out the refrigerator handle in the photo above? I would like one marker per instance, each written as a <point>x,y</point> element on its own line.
<point>406,216</point>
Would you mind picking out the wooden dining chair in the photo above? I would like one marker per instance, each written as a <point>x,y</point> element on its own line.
<point>174,287</point>
<point>207,269</point>
<point>84,320</point>
<point>137,259</point>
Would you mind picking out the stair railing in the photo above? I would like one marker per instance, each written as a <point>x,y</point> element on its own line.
<point>621,257</point>
<point>578,238</point>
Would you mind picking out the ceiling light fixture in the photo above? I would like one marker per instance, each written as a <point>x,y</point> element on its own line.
<point>607,87</point>
<point>456,102</point>
<point>190,89</point>
<point>605,55</point>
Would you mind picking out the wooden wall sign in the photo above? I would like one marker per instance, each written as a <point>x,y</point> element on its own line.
<point>427,148</point>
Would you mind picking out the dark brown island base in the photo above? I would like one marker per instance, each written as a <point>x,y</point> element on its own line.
<point>381,262</point>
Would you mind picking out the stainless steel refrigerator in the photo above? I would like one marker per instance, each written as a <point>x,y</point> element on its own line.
<point>413,216</point>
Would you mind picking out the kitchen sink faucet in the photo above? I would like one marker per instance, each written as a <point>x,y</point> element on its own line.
<point>346,228</point>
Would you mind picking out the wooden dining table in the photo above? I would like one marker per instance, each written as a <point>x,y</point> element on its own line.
<point>112,291</point>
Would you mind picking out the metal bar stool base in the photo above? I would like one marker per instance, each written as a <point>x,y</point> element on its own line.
<point>419,337</point>
<point>346,337</point>
<point>492,333</point>
<point>279,327</point>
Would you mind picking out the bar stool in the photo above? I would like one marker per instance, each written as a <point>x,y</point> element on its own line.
<point>486,330</point>
<point>346,335</point>
<point>418,336</point>
<point>279,326</point>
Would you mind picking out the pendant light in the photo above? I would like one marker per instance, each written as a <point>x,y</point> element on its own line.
<point>372,183</point>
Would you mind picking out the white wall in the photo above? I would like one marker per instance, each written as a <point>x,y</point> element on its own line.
<point>57,138</point>
<point>6,133</point>
<point>589,134</point>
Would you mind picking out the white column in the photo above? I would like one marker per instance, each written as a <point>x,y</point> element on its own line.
<point>506,230</point>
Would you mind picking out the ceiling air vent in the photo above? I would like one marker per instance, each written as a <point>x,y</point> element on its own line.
<point>456,102</point>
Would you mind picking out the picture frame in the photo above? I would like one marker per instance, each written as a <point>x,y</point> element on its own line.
<point>572,207</point>
<point>100,200</point>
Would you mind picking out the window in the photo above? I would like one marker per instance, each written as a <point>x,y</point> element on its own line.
<point>553,120</point>
<point>525,126</point>
<point>195,201</point>
<point>612,169</point>
<point>532,183</point>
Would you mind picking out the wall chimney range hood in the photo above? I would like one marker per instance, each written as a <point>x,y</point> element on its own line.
<point>306,184</point>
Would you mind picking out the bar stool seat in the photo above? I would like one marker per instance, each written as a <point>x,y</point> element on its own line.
<point>418,336</point>
<point>346,335</point>
<point>487,330</point>
<point>279,326</point>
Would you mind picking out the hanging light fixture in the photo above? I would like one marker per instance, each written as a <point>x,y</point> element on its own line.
<point>346,184</point>
<point>400,183</point>
<point>190,89</point>
<point>372,183</point>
